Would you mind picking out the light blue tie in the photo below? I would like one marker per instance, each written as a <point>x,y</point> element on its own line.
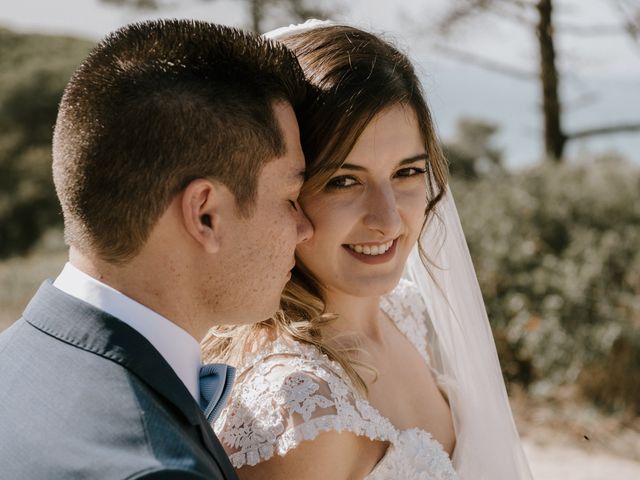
<point>216,381</point>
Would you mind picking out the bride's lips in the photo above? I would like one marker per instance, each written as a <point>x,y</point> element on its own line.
<point>373,259</point>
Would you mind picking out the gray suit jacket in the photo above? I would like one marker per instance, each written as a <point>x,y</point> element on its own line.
<point>83,395</point>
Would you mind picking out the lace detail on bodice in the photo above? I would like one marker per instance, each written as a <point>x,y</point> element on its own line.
<point>406,308</point>
<point>414,455</point>
<point>290,392</point>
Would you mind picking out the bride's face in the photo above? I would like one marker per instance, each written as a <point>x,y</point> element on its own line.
<point>368,216</point>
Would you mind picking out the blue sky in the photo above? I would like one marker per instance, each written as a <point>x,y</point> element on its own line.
<point>605,69</point>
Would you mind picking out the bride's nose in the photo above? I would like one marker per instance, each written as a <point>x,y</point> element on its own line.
<point>382,211</point>
<point>305,228</point>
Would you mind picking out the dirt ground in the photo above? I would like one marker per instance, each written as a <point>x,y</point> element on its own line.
<point>558,461</point>
<point>568,439</point>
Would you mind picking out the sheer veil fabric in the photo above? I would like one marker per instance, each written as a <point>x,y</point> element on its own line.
<point>488,446</point>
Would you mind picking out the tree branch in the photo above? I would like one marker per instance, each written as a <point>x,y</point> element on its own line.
<point>486,63</point>
<point>606,130</point>
<point>459,12</point>
<point>522,4</point>
<point>631,18</point>
<point>519,18</point>
<point>590,30</point>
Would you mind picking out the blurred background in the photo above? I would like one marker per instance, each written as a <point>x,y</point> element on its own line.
<point>537,103</point>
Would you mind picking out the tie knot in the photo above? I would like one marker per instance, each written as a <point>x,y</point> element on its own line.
<point>216,381</point>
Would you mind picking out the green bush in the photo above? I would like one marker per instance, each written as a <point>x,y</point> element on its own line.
<point>33,72</point>
<point>557,253</point>
<point>471,153</point>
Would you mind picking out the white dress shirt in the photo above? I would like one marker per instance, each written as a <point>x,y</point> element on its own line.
<point>179,349</point>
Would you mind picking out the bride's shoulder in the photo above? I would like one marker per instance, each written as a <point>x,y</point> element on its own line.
<point>280,356</point>
<point>287,372</point>
<point>286,393</point>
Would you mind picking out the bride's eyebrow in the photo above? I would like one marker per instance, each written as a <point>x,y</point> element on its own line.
<point>351,166</point>
<point>406,161</point>
<point>415,158</point>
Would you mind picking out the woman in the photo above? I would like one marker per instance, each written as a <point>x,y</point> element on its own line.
<point>366,374</point>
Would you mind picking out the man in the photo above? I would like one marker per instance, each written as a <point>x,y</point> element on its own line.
<point>177,162</point>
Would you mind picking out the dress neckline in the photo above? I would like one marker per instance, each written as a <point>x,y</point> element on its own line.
<point>287,346</point>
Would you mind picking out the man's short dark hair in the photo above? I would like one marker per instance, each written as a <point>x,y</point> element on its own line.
<point>154,106</point>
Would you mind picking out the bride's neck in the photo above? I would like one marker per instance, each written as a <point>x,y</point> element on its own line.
<point>358,317</point>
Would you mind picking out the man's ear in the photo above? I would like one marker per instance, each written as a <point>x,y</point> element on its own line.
<point>203,201</point>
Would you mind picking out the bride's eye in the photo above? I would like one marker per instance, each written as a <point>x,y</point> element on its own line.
<point>344,181</point>
<point>411,172</point>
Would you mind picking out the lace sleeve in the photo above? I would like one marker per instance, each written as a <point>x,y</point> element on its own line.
<point>285,399</point>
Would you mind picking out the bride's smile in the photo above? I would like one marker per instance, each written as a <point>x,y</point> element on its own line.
<point>373,253</point>
<point>372,249</point>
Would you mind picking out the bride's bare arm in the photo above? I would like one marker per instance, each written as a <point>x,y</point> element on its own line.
<point>331,455</point>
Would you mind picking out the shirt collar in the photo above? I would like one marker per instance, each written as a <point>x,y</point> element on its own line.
<point>179,348</point>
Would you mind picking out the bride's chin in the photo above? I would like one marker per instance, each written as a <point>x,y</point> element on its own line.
<point>373,286</point>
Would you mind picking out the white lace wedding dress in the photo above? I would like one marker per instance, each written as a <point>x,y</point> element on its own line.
<point>290,392</point>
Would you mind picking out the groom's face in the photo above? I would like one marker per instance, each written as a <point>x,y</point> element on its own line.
<point>259,252</point>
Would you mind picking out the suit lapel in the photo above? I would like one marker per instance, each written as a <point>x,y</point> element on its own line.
<point>77,323</point>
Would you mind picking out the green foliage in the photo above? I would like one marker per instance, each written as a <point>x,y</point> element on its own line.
<point>33,72</point>
<point>20,277</point>
<point>557,253</point>
<point>472,154</point>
